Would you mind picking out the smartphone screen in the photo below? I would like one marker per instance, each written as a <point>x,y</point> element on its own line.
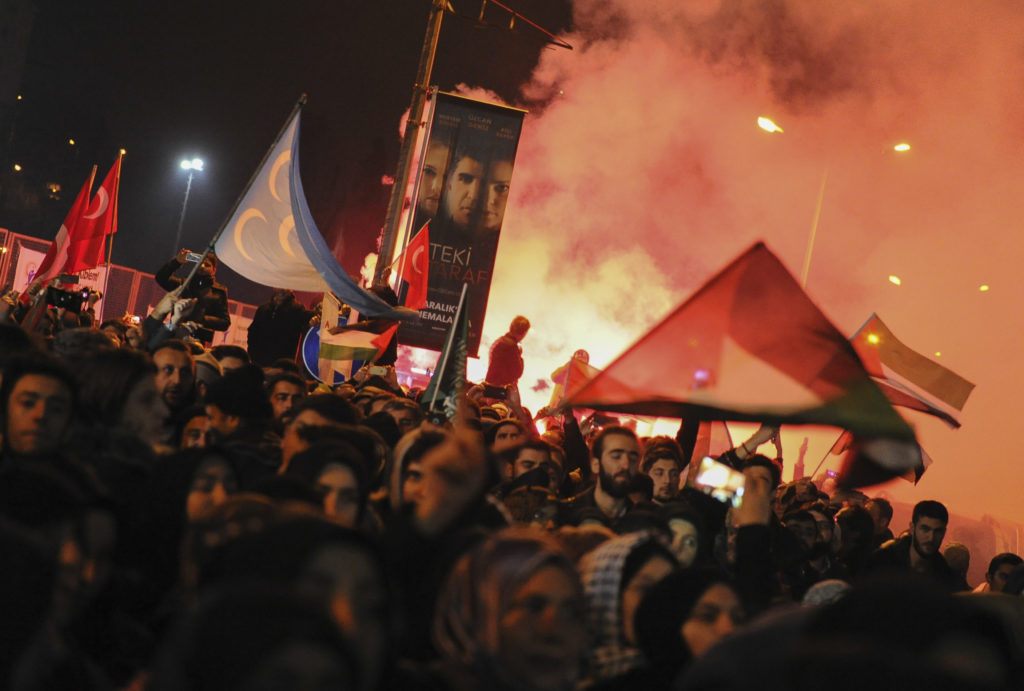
<point>720,481</point>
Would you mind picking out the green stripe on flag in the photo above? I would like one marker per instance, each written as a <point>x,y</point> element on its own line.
<point>333,351</point>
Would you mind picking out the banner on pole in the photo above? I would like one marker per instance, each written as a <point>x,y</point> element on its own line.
<point>463,185</point>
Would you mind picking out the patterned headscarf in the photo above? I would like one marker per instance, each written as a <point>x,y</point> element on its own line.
<point>601,571</point>
<point>479,592</point>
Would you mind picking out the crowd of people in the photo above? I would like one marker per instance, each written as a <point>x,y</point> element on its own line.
<point>180,517</point>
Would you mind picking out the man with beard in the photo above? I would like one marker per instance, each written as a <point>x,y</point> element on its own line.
<point>614,456</point>
<point>175,375</point>
<point>919,549</point>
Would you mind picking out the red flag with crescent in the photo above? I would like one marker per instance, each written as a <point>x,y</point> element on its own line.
<point>414,263</point>
<point>56,257</point>
<point>88,239</point>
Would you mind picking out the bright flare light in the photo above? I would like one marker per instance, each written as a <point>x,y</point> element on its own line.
<point>71,142</point>
<point>902,146</point>
<point>767,125</point>
<point>17,167</point>
<point>895,280</point>
<point>873,339</point>
<point>194,164</point>
<point>984,288</point>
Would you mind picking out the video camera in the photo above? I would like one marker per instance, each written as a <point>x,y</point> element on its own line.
<point>70,300</point>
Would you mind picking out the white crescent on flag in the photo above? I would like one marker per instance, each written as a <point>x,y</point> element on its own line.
<point>272,240</point>
<point>260,241</point>
<point>99,202</point>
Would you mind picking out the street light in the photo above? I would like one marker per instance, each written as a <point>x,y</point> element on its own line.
<point>191,166</point>
<point>767,125</point>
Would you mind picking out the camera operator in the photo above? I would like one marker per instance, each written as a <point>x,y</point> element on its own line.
<point>211,310</point>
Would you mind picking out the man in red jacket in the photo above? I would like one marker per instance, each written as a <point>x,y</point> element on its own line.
<point>506,360</point>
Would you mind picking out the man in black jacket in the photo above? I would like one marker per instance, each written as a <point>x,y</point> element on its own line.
<point>211,310</point>
<point>919,550</point>
<point>277,327</point>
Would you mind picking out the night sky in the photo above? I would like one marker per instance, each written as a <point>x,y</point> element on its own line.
<point>217,80</point>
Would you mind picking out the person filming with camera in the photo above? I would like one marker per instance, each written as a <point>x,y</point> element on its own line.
<point>211,310</point>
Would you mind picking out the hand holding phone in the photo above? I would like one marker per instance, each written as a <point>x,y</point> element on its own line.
<point>720,481</point>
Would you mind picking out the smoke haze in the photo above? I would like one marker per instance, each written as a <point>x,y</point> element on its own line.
<point>641,172</point>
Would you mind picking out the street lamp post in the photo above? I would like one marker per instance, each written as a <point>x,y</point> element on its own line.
<point>191,166</point>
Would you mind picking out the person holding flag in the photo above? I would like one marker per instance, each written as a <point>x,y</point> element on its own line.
<point>211,310</point>
<point>81,239</point>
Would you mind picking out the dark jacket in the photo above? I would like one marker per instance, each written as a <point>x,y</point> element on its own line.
<point>276,330</point>
<point>896,555</point>
<point>211,310</point>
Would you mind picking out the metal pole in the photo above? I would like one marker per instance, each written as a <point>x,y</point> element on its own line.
<point>110,237</point>
<point>181,217</point>
<point>814,231</point>
<point>419,93</point>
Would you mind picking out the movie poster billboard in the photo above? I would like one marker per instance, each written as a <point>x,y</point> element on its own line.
<point>463,185</point>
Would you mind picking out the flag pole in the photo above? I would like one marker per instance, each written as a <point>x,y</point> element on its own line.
<point>814,231</point>
<point>110,236</point>
<point>448,345</point>
<point>412,126</point>
<point>825,458</point>
<point>213,241</point>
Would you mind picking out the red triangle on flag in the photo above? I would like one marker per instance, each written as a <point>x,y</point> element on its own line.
<point>907,378</point>
<point>750,345</point>
<point>381,342</point>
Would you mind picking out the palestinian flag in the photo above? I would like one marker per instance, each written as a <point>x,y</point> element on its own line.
<point>906,377</point>
<point>750,345</point>
<point>355,345</point>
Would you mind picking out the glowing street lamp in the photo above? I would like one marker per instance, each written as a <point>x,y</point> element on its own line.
<point>901,147</point>
<point>193,165</point>
<point>767,125</point>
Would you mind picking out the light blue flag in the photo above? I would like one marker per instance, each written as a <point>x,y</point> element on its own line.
<point>271,237</point>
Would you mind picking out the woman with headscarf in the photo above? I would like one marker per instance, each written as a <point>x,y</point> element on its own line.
<point>335,469</point>
<point>511,617</point>
<point>256,639</point>
<point>681,618</point>
<point>338,568</point>
<point>616,576</point>
<point>181,489</point>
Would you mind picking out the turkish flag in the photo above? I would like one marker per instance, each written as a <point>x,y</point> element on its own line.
<point>56,257</point>
<point>414,262</point>
<point>85,249</point>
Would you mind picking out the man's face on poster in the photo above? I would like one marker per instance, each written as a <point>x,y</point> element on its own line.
<point>435,165</point>
<point>499,175</point>
<point>464,186</point>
